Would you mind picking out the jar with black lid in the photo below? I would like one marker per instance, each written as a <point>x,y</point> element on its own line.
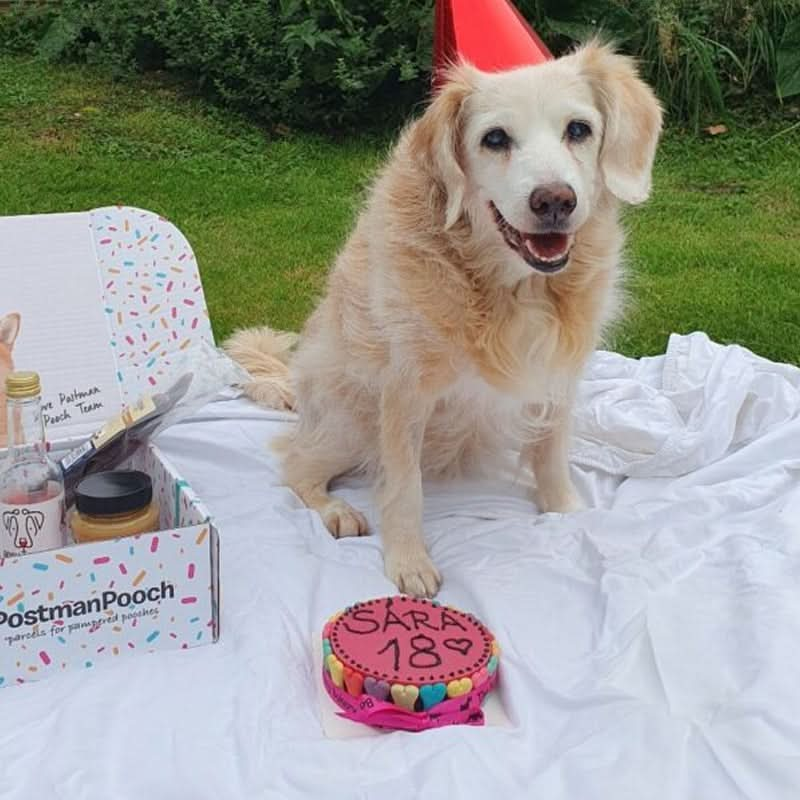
<point>111,505</point>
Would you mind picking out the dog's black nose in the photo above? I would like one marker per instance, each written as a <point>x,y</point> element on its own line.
<point>553,202</point>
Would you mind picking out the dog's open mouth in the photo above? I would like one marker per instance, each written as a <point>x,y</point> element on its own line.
<point>547,252</point>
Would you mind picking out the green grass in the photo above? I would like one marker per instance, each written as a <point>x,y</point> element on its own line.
<point>716,249</point>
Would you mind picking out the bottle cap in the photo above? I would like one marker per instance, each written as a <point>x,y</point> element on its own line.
<point>116,492</point>
<point>23,385</point>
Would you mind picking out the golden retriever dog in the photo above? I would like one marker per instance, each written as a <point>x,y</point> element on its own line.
<point>459,316</point>
<point>9,328</point>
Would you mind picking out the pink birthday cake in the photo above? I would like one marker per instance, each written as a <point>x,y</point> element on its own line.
<point>406,663</point>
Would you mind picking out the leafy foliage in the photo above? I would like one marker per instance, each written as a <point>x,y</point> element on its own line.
<point>323,63</point>
<point>335,64</point>
<point>22,26</point>
<point>699,54</point>
<point>788,60</point>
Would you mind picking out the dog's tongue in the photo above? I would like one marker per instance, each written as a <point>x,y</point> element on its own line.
<point>547,246</point>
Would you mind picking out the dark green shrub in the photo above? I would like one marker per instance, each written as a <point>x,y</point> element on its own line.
<point>699,54</point>
<point>788,60</point>
<point>321,63</point>
<point>114,33</point>
<point>303,63</point>
<point>23,25</point>
<point>351,63</point>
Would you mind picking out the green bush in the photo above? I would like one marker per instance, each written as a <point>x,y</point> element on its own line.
<point>320,63</point>
<point>337,64</point>
<point>114,33</point>
<point>303,63</point>
<point>700,55</point>
<point>23,26</point>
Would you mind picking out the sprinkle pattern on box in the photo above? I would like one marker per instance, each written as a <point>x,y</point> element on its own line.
<point>152,295</point>
<point>166,596</point>
<point>177,501</point>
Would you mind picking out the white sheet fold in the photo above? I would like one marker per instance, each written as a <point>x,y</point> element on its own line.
<point>650,643</point>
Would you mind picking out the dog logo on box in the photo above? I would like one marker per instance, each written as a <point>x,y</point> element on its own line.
<point>22,526</point>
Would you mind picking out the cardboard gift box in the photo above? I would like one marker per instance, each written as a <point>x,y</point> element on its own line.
<point>105,306</point>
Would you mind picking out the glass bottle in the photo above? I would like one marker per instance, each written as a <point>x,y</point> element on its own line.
<point>32,514</point>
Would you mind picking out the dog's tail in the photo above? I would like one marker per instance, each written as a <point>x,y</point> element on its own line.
<point>264,353</point>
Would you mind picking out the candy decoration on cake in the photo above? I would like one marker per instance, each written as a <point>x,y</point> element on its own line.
<point>489,34</point>
<point>408,664</point>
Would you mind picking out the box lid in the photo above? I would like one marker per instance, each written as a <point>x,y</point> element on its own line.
<point>102,304</point>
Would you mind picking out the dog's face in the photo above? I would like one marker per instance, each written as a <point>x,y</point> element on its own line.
<point>531,144</point>
<point>527,154</point>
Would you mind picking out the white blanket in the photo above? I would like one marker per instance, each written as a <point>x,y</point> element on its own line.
<point>651,645</point>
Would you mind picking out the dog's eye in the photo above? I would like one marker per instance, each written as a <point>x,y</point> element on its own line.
<point>578,131</point>
<point>497,139</point>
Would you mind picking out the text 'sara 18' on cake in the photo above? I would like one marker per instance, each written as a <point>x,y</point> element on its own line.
<point>408,664</point>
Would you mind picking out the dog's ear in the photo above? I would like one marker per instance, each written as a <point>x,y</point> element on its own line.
<point>436,139</point>
<point>9,328</point>
<point>631,117</point>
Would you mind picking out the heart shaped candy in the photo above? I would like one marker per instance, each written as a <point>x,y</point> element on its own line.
<point>336,669</point>
<point>377,689</point>
<point>353,682</point>
<point>432,694</point>
<point>480,677</point>
<point>492,665</point>
<point>326,648</point>
<point>457,688</point>
<point>405,696</point>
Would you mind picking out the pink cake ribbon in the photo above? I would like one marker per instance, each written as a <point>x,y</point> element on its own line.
<point>462,710</point>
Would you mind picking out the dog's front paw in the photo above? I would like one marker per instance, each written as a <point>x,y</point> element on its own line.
<point>562,501</point>
<point>341,519</point>
<point>413,572</point>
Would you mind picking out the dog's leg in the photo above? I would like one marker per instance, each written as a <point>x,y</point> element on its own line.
<point>549,457</point>
<point>403,416</point>
<point>307,471</point>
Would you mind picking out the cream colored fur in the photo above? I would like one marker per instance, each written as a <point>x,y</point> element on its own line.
<point>265,353</point>
<point>435,343</point>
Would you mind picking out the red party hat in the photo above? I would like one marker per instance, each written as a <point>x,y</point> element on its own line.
<point>490,34</point>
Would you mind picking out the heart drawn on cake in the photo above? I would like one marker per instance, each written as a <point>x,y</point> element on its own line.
<point>405,696</point>
<point>433,694</point>
<point>377,689</point>
<point>462,646</point>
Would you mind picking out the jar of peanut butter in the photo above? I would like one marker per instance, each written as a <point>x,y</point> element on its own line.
<point>110,505</point>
